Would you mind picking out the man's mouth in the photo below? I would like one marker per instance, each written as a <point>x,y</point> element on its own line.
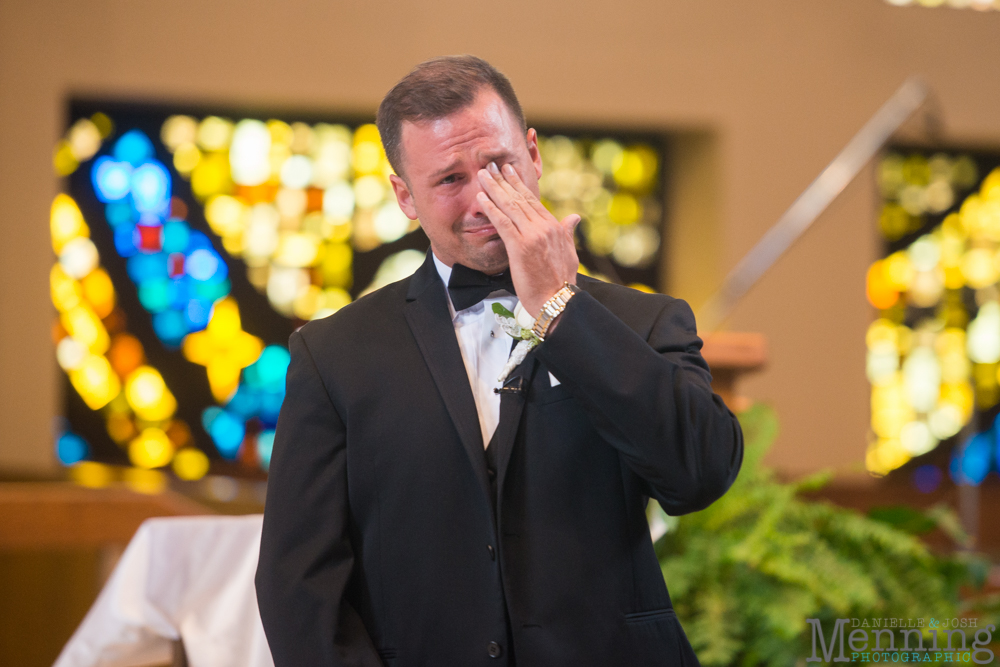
<point>481,230</point>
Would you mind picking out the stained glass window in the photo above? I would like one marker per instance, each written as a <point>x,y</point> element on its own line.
<point>933,352</point>
<point>190,244</point>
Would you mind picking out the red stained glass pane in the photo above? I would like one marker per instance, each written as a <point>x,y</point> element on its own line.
<point>176,265</point>
<point>150,237</point>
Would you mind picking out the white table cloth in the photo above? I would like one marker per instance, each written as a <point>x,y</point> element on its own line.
<point>187,578</point>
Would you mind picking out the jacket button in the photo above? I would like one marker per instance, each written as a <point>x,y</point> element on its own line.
<point>493,554</point>
<point>494,650</point>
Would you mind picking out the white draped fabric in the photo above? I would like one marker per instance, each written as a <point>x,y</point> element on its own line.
<point>187,578</point>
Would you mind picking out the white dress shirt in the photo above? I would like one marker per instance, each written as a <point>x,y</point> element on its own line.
<point>485,349</point>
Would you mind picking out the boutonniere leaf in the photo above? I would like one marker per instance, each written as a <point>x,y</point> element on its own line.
<point>525,337</point>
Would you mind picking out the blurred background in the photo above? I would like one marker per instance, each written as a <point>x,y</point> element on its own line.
<point>185,183</point>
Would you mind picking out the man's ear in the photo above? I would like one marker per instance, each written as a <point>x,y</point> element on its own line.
<point>403,196</point>
<point>531,139</point>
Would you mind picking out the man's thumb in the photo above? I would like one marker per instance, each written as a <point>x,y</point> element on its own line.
<point>571,221</point>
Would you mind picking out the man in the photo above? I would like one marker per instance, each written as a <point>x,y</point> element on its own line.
<point>416,517</point>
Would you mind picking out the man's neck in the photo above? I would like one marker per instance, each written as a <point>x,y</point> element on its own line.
<point>444,268</point>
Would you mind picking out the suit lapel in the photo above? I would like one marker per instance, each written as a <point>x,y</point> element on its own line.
<point>511,407</point>
<point>427,314</point>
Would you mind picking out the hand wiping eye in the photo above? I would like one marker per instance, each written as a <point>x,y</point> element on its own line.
<point>540,248</point>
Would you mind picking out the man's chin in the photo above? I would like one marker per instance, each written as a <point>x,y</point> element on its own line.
<point>490,257</point>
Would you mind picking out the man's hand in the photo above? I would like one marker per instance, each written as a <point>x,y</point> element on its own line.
<point>540,248</point>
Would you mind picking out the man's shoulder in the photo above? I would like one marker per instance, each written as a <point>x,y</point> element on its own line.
<point>360,320</point>
<point>614,295</point>
<point>637,308</point>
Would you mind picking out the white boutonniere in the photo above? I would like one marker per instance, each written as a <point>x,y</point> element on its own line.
<point>525,337</point>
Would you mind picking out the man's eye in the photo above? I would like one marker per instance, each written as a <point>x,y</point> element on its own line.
<point>450,178</point>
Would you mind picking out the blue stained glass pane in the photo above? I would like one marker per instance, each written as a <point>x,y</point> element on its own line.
<point>154,295</point>
<point>227,433</point>
<point>151,188</point>
<point>147,267</point>
<point>125,240</point>
<point>133,147</point>
<point>170,327</point>
<point>927,478</point>
<point>152,219</point>
<point>120,213</point>
<point>252,377</point>
<point>270,406</point>
<point>176,235</point>
<point>244,402</point>
<point>198,313</point>
<point>197,240</point>
<point>211,291</point>
<point>180,293</point>
<point>972,461</point>
<point>221,271</point>
<point>265,445</point>
<point>71,448</point>
<point>111,179</point>
<point>208,417</point>
<point>202,264</point>
<point>268,372</point>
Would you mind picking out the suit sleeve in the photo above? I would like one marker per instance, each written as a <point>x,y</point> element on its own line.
<point>650,398</point>
<point>306,557</point>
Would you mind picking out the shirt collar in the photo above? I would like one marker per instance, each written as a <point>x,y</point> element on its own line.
<point>445,272</point>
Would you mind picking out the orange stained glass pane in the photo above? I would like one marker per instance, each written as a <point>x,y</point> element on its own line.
<point>99,291</point>
<point>179,433</point>
<point>255,194</point>
<point>314,199</point>
<point>126,354</point>
<point>880,290</point>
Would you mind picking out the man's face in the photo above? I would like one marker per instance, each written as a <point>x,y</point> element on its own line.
<point>440,161</point>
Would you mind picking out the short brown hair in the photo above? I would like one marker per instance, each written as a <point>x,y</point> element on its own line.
<point>437,88</point>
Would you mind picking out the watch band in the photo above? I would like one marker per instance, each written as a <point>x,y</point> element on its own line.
<point>552,309</point>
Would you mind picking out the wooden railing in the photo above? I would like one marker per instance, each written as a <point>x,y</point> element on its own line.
<point>730,356</point>
<point>57,515</point>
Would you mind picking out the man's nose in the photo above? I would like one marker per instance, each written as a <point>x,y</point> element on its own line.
<point>475,209</point>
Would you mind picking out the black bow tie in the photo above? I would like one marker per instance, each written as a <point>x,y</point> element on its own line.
<point>468,287</point>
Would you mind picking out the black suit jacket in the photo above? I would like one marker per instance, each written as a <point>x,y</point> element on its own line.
<point>381,544</point>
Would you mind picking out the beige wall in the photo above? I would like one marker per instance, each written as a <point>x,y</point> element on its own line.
<point>765,92</point>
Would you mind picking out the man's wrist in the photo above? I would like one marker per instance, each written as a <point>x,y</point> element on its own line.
<point>552,309</point>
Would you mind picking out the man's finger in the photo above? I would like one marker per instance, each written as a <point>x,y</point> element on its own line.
<point>504,226</point>
<point>502,199</point>
<point>522,197</point>
<point>517,198</point>
<point>513,179</point>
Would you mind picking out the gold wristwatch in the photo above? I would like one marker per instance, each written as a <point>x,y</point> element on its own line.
<point>552,309</point>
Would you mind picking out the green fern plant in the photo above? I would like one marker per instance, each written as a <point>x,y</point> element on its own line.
<point>747,572</point>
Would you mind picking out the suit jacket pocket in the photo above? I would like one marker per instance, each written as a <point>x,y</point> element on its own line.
<point>387,656</point>
<point>652,615</point>
<point>544,395</point>
<point>658,640</point>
